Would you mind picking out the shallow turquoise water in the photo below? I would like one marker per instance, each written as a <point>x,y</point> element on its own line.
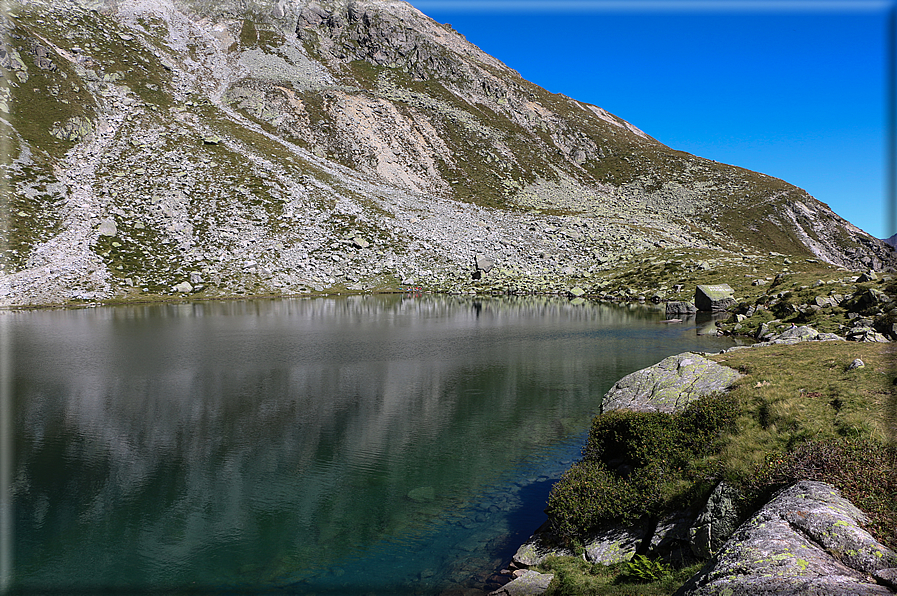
<point>357,445</point>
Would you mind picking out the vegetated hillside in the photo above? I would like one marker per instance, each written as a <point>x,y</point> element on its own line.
<point>196,147</point>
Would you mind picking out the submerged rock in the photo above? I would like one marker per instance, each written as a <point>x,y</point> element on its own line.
<point>423,494</point>
<point>669,385</point>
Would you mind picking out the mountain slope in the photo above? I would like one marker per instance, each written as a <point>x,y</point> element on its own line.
<point>228,148</point>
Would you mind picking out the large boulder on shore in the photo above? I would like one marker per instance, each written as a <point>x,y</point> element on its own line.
<point>669,385</point>
<point>714,298</point>
<point>675,309</point>
<point>806,540</point>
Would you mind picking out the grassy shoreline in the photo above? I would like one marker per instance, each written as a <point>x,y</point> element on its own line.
<point>805,413</point>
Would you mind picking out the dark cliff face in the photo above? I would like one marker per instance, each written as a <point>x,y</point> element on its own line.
<point>335,118</point>
<point>364,33</point>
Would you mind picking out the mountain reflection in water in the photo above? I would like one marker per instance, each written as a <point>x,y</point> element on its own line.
<point>341,445</point>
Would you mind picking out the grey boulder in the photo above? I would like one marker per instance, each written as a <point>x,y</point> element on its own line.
<point>108,228</point>
<point>528,584</point>
<point>484,263</point>
<point>806,540</point>
<point>797,334</point>
<point>714,298</point>
<point>541,544</point>
<point>615,543</point>
<point>669,385</point>
<point>865,334</point>
<point>674,309</point>
<point>716,521</point>
<point>608,544</point>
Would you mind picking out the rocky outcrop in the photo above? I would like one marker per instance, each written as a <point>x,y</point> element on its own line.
<point>806,540</point>
<point>680,537</point>
<point>716,521</point>
<point>677,309</point>
<point>608,544</point>
<point>381,33</point>
<point>866,334</point>
<point>542,544</point>
<point>669,385</point>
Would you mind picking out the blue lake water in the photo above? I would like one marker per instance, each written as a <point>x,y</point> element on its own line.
<point>354,445</point>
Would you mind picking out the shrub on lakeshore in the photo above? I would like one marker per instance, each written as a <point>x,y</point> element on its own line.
<point>641,463</point>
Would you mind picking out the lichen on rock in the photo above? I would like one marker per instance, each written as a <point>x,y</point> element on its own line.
<point>74,129</point>
<point>806,540</point>
<point>669,385</point>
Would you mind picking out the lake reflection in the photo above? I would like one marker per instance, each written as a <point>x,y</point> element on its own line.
<point>378,444</point>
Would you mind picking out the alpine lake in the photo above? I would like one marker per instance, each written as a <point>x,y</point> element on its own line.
<point>386,444</point>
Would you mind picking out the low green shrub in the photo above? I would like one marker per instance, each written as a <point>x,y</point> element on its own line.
<point>641,463</point>
<point>588,494</point>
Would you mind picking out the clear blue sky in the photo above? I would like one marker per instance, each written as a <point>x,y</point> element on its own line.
<point>791,88</point>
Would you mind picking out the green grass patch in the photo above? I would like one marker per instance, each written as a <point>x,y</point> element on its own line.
<point>795,393</point>
<point>797,412</point>
<point>574,577</point>
<point>667,267</point>
<point>808,417</point>
<point>255,34</point>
